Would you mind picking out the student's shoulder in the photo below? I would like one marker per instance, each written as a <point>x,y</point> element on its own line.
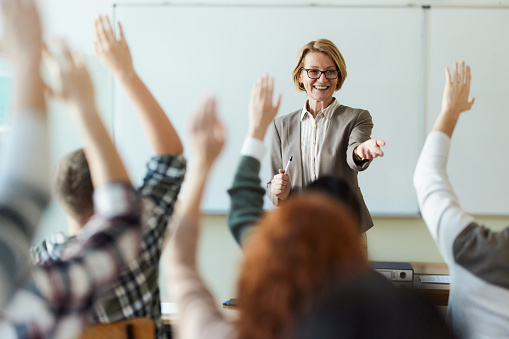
<point>166,165</point>
<point>166,160</point>
<point>50,248</point>
<point>483,252</point>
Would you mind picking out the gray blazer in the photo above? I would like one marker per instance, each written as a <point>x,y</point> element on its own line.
<point>348,128</point>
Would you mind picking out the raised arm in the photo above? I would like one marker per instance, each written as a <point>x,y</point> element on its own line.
<point>62,293</point>
<point>24,191</point>
<point>439,205</point>
<point>198,313</point>
<point>115,55</point>
<point>246,194</point>
<point>72,85</point>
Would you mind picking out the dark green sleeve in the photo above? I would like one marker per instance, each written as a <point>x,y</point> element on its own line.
<point>246,198</point>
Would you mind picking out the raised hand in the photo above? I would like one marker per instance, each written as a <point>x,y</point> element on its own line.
<point>70,78</point>
<point>207,133</point>
<point>114,54</point>
<point>455,98</point>
<point>370,149</point>
<point>456,90</point>
<point>262,110</point>
<point>22,38</point>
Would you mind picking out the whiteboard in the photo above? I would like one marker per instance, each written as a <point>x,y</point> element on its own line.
<point>181,50</point>
<point>479,164</point>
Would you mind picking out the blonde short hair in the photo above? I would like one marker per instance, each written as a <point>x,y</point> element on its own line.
<point>324,46</point>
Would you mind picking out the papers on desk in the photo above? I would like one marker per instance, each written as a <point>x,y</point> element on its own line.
<point>168,308</point>
<point>435,279</point>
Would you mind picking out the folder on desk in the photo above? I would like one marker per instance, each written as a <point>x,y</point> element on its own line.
<point>395,271</point>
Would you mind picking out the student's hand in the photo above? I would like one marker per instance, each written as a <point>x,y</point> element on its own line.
<point>454,99</point>
<point>22,38</point>
<point>207,133</point>
<point>456,90</point>
<point>69,76</point>
<point>114,54</point>
<point>280,185</point>
<point>370,149</point>
<point>262,110</point>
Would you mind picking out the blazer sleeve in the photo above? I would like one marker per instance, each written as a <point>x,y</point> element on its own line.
<point>361,132</point>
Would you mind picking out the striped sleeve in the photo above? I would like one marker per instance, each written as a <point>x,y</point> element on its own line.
<point>24,193</point>
<point>61,293</point>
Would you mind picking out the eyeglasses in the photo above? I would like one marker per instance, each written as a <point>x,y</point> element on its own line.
<point>316,74</point>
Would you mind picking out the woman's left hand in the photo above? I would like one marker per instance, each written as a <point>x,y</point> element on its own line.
<point>370,149</point>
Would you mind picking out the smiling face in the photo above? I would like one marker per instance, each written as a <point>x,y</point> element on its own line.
<point>320,90</point>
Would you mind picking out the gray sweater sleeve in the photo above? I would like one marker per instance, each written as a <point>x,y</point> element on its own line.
<point>246,198</point>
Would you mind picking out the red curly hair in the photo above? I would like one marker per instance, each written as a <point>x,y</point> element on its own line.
<point>296,253</point>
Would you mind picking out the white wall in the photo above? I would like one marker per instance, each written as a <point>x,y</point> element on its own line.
<point>397,239</point>
<point>391,239</point>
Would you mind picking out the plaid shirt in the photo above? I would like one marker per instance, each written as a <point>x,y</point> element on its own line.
<point>24,193</point>
<point>60,294</point>
<point>136,292</point>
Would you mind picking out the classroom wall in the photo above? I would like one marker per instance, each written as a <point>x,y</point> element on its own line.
<point>392,239</point>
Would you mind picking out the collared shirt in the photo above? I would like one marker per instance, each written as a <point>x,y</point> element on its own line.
<point>61,294</point>
<point>312,136</point>
<point>136,292</point>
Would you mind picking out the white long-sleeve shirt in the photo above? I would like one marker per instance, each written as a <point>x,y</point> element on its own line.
<point>478,258</point>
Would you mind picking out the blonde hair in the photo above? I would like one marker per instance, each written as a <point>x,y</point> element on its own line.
<point>323,46</point>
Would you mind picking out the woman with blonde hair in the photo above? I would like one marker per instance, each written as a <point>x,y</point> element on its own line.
<point>324,137</point>
<point>296,252</point>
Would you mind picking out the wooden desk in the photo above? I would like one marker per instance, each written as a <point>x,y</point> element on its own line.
<point>438,293</point>
<point>169,317</point>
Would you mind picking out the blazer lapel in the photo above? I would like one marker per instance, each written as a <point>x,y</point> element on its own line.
<point>294,147</point>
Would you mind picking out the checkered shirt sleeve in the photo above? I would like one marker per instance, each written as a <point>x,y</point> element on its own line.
<point>49,250</point>
<point>136,292</point>
<point>61,294</point>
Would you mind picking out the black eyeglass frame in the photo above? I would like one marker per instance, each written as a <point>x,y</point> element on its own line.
<point>321,72</point>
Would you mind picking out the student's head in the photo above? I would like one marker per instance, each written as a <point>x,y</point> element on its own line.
<point>323,46</point>
<point>370,306</point>
<point>72,186</point>
<point>336,187</point>
<point>296,251</point>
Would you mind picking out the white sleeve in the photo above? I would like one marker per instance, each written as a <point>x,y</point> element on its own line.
<point>439,205</point>
<point>254,148</point>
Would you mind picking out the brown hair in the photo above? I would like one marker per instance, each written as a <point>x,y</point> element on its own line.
<point>72,185</point>
<point>323,46</point>
<point>295,253</point>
